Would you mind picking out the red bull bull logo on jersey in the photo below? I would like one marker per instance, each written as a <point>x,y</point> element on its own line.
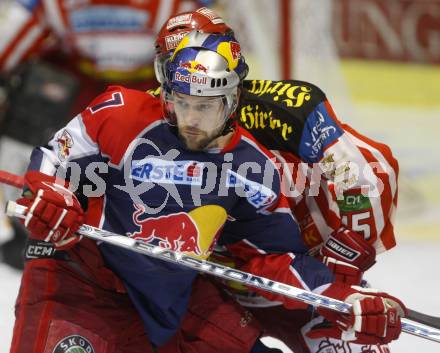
<point>176,232</point>
<point>193,232</point>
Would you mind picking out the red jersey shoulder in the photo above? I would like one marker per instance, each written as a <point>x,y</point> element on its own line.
<point>121,111</point>
<point>118,116</point>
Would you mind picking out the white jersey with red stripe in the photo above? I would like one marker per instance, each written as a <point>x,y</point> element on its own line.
<point>335,177</point>
<point>102,35</point>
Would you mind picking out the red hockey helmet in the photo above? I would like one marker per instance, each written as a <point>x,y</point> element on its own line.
<point>178,26</point>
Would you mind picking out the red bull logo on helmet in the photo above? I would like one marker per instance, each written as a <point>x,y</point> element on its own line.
<point>176,232</point>
<point>194,66</point>
<point>191,78</point>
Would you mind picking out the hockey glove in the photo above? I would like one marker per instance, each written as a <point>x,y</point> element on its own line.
<point>54,213</point>
<point>348,255</point>
<point>375,317</point>
<point>344,272</point>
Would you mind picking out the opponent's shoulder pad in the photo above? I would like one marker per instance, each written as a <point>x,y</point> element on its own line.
<point>298,97</point>
<point>155,92</point>
<point>275,112</point>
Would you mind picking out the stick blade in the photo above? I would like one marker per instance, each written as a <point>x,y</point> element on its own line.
<point>424,319</point>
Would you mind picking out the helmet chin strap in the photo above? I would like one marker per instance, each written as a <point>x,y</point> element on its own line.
<point>229,121</point>
<point>228,127</point>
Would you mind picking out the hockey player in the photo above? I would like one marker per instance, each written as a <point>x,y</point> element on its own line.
<point>148,174</point>
<point>345,218</point>
<point>55,57</point>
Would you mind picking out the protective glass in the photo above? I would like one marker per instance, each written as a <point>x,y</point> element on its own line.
<point>208,113</point>
<point>203,113</point>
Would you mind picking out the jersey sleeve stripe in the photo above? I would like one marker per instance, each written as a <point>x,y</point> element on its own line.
<point>381,152</point>
<point>25,41</point>
<point>386,236</point>
<point>349,143</point>
<point>379,157</point>
<point>328,202</point>
<point>55,16</point>
<point>388,197</point>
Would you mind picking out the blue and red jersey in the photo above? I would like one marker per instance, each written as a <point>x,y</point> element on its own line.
<point>132,166</point>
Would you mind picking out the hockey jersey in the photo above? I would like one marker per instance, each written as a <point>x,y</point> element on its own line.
<point>337,177</point>
<point>121,152</point>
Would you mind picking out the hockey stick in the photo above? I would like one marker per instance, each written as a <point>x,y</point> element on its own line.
<point>11,179</point>
<point>415,323</point>
<point>409,325</point>
<point>424,319</point>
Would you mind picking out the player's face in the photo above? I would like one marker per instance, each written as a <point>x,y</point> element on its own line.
<point>199,119</point>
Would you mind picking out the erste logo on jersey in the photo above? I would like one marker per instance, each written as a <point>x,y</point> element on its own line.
<point>161,171</point>
<point>257,194</point>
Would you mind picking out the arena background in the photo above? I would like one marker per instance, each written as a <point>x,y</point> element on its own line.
<point>392,96</point>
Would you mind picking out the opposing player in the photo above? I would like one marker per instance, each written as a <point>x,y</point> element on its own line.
<point>343,186</point>
<point>147,175</point>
